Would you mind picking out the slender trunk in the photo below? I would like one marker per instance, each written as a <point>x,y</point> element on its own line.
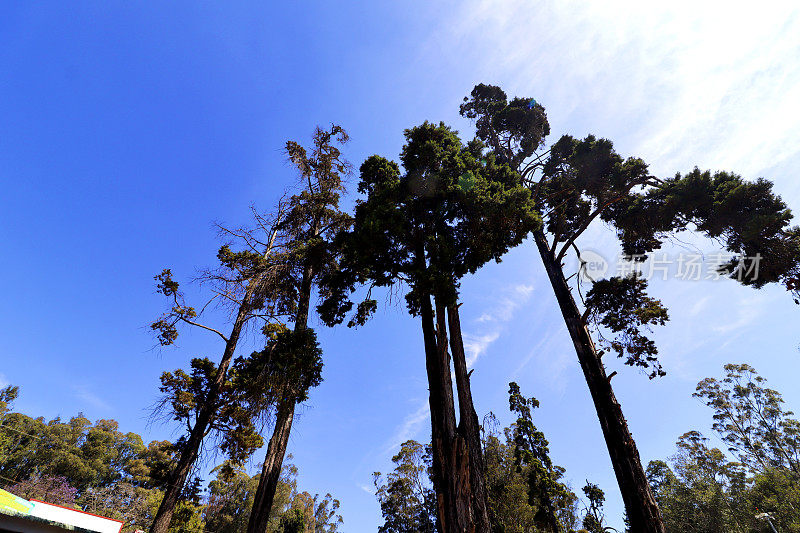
<point>177,478</point>
<point>191,449</point>
<point>273,464</point>
<point>641,506</point>
<point>469,427</point>
<point>276,449</point>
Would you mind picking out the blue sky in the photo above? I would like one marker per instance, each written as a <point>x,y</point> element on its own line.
<point>126,129</point>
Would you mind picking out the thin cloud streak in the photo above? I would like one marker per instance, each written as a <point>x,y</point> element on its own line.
<point>84,394</point>
<point>712,84</point>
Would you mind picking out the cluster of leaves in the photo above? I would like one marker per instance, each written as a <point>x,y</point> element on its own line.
<point>515,129</point>
<point>581,180</point>
<point>708,489</point>
<point>532,457</point>
<point>594,518</point>
<point>234,425</point>
<point>452,209</point>
<point>406,495</point>
<point>622,306</point>
<point>751,420</point>
<point>288,367</point>
<point>750,219</point>
<point>313,216</point>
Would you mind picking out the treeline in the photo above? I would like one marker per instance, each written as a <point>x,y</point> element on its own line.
<point>751,479</point>
<point>99,469</point>
<point>749,485</point>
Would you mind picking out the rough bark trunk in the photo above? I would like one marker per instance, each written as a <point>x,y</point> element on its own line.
<point>643,512</point>
<point>450,460</point>
<point>191,449</point>
<point>271,471</point>
<point>469,426</point>
<point>276,449</point>
<point>177,478</point>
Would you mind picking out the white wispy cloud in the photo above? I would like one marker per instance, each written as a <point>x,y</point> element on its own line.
<point>476,345</point>
<point>504,308</point>
<point>748,310</point>
<point>490,322</point>
<point>4,381</point>
<point>698,306</point>
<point>90,398</point>
<point>679,83</point>
<point>409,428</point>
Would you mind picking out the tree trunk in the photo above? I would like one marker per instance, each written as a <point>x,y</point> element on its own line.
<point>177,478</point>
<point>469,426</point>
<point>450,458</point>
<point>271,471</point>
<point>642,509</point>
<point>191,449</point>
<point>276,449</point>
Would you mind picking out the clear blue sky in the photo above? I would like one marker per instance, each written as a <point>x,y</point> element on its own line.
<point>126,129</point>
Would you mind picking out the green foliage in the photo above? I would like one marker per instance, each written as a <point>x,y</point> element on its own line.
<point>294,521</point>
<point>526,491</point>
<point>750,419</point>
<point>288,367</point>
<point>593,519</point>
<point>231,497</point>
<point>319,513</point>
<point>233,424</point>
<point>507,487</point>
<point>532,456</point>
<point>516,126</point>
<point>97,468</point>
<point>82,453</point>
<point>422,227</point>
<point>121,501</point>
<point>522,495</point>
<point>7,397</point>
<point>165,327</point>
<point>622,306</point>
<point>705,490</point>
<point>747,216</point>
<point>406,497</point>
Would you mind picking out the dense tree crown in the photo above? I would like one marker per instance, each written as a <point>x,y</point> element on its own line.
<point>453,208</point>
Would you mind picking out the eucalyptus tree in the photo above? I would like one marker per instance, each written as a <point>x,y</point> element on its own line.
<point>405,495</point>
<point>750,418</point>
<point>452,209</point>
<point>291,363</point>
<point>579,181</point>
